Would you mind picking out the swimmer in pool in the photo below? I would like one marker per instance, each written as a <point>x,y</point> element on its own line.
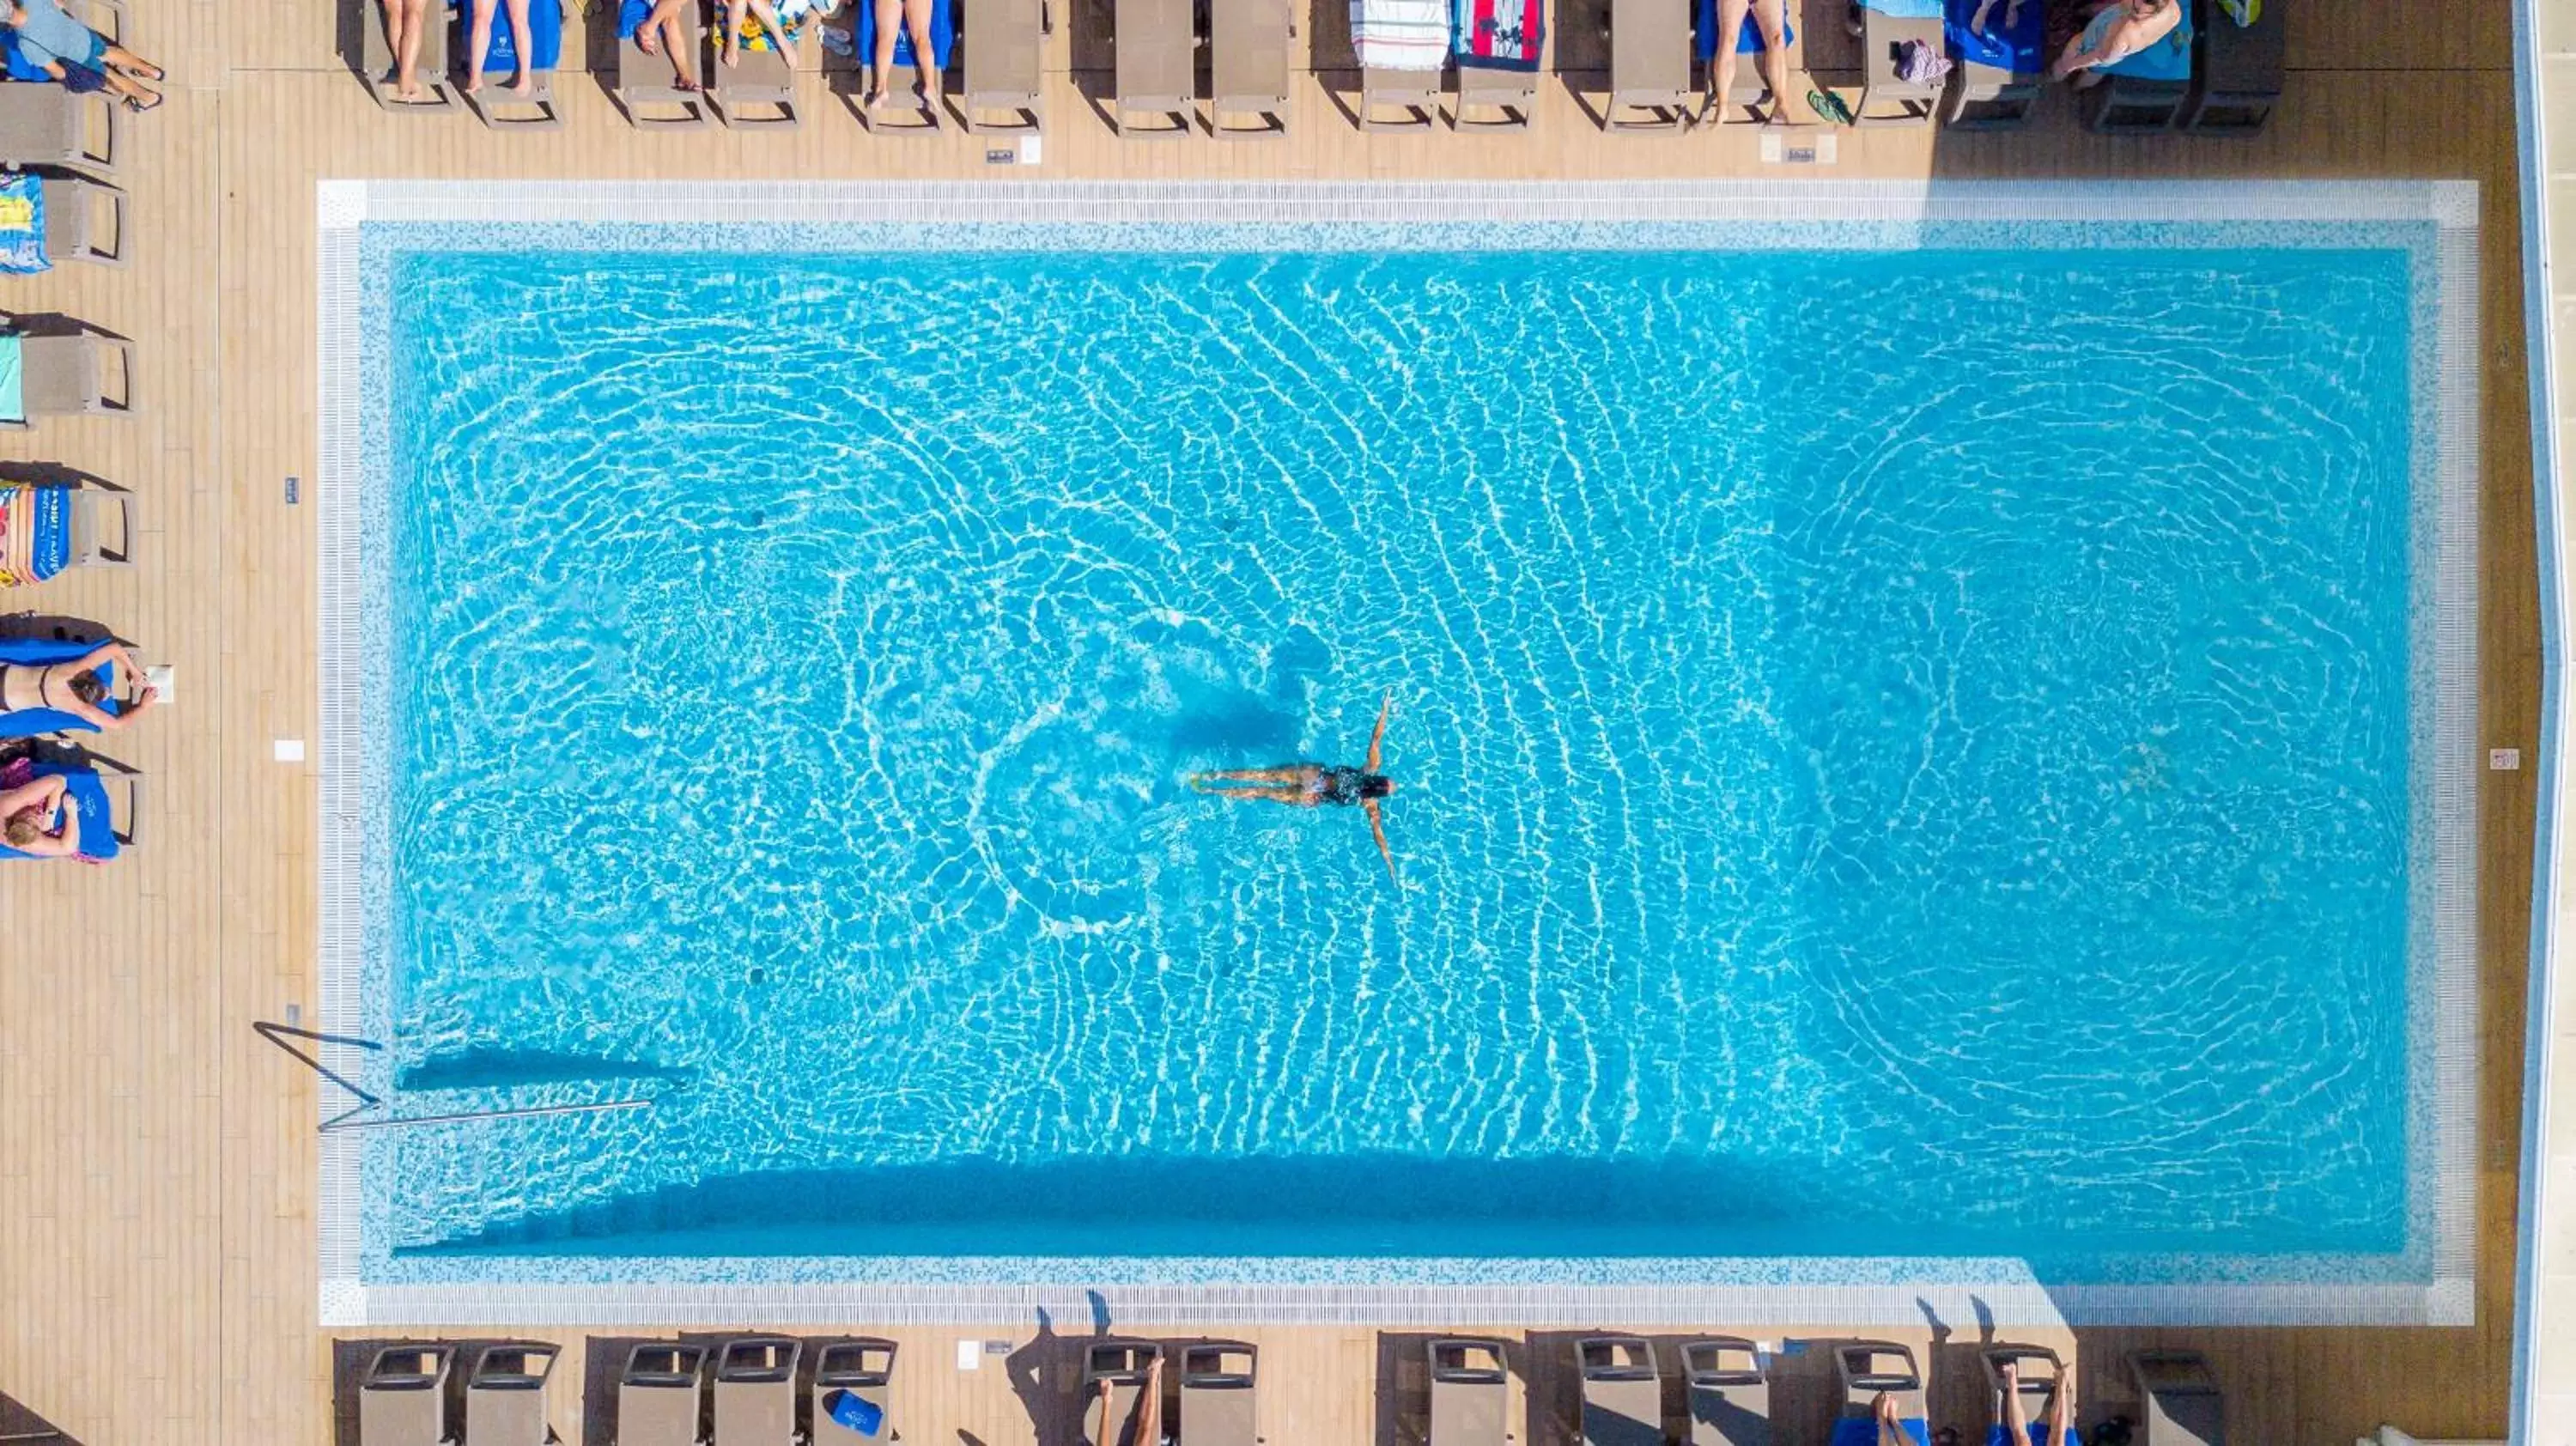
<point>1312,785</point>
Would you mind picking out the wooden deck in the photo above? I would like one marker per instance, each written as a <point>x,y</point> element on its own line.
<point>156,1227</point>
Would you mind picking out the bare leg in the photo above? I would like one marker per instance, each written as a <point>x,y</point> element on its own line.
<point>478,43</point>
<point>131,63</point>
<point>889,23</point>
<point>1286,773</point>
<point>918,12</point>
<point>728,45</point>
<point>406,44</point>
<point>665,21</point>
<point>1769,16</point>
<point>2061,1409</point>
<point>521,40</point>
<point>779,35</point>
<point>2016,1419</point>
<point>1730,25</point>
<point>1891,1431</point>
<point>1294,795</point>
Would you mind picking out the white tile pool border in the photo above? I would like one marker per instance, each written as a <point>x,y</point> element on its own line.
<point>2443,1012</point>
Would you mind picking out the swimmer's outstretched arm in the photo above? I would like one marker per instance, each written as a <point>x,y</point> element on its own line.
<point>1377,742</point>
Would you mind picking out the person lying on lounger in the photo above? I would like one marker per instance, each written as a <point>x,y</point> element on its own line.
<point>28,823</point>
<point>478,45</point>
<point>661,32</point>
<point>74,688</point>
<point>2061,1409</point>
<point>1312,785</point>
<point>1771,17</point>
<point>79,57</point>
<point>2117,31</point>
<point>781,19</point>
<point>405,22</point>
<point>913,15</point>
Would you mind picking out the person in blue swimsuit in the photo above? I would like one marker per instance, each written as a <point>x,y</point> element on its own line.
<point>1312,785</point>
<point>2116,32</point>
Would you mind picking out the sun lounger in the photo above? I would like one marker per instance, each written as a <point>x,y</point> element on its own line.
<point>862,1368</point>
<point>1121,1381</point>
<point>646,86</point>
<point>757,89</point>
<point>402,1398</point>
<point>494,105</point>
<point>1887,98</point>
<point>1403,50</point>
<point>1623,1392</point>
<point>906,111</point>
<point>2235,70</point>
<point>63,376</point>
<point>505,1397</point>
<point>1650,67</point>
<point>42,124</point>
<point>1219,1395</point>
<point>2143,94</point>
<point>376,58</point>
<point>1469,1385</point>
<point>755,1392</point>
<point>1498,63</point>
<point>1248,68</point>
<point>658,1401</point>
<point>1744,100</point>
<point>84,221</point>
<point>2037,1372</point>
<point>1730,1393</point>
<point>1005,70</point>
<point>48,530</point>
<point>2179,1400</point>
<point>44,652</point>
<point>2000,69</point>
<point>1868,1370</point>
<point>1157,45</point>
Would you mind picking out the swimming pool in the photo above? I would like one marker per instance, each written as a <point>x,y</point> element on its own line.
<point>1911,754</point>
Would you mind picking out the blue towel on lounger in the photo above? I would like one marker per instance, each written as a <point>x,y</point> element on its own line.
<point>1748,38</point>
<point>943,36</point>
<point>630,17</point>
<point>2016,50</point>
<point>36,652</point>
<point>88,797</point>
<point>545,37</point>
<point>1848,1430</point>
<point>19,66</point>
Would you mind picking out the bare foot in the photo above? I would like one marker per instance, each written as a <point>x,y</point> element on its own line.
<point>645,42</point>
<point>409,92</point>
<point>524,84</point>
<point>724,51</point>
<point>1885,1409</point>
<point>873,101</point>
<point>787,52</point>
<point>474,83</point>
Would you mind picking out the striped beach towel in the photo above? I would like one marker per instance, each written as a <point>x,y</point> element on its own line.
<point>1401,34</point>
<point>1503,32</point>
<point>35,533</point>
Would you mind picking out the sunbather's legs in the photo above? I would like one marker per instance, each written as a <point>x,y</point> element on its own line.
<point>2061,1407</point>
<point>1730,24</point>
<point>779,35</point>
<point>889,25</point>
<point>917,13</point>
<point>1891,1431</point>
<point>664,24</point>
<point>1296,773</point>
<point>478,43</point>
<point>1771,18</point>
<point>402,37</point>
<point>520,43</point>
<point>729,38</point>
<point>2016,1418</point>
<point>131,63</point>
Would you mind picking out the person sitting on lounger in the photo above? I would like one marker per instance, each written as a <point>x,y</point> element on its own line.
<point>2061,1409</point>
<point>2117,31</point>
<point>28,821</point>
<point>781,20</point>
<point>661,32</point>
<point>1312,785</point>
<point>913,15</point>
<point>79,57</point>
<point>74,688</point>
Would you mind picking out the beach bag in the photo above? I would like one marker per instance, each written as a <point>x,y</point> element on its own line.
<point>1919,64</point>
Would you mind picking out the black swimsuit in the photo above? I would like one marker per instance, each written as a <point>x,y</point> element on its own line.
<point>1339,785</point>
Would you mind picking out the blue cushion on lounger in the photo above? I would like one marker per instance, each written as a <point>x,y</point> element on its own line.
<point>2168,59</point>
<point>1996,1435</point>
<point>2016,50</point>
<point>28,722</point>
<point>89,797</point>
<point>1848,1430</point>
<point>545,37</point>
<point>943,36</point>
<point>1748,37</point>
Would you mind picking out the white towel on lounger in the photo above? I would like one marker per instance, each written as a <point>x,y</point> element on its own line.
<point>1401,34</point>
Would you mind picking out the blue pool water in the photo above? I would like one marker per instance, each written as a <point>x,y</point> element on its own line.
<point>1902,753</point>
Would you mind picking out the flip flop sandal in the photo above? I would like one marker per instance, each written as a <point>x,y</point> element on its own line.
<point>1829,105</point>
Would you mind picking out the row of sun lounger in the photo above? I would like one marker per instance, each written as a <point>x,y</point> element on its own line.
<point>2225,79</point>
<point>768,1391</point>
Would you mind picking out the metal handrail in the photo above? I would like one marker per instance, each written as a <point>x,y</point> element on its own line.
<point>276,1033</point>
